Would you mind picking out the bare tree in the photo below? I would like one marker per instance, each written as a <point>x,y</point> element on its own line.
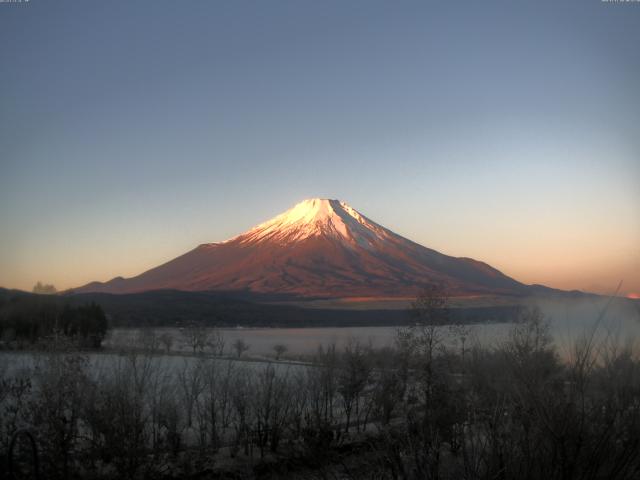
<point>271,407</point>
<point>148,340</point>
<point>240,346</point>
<point>322,389</point>
<point>352,379</point>
<point>529,335</point>
<point>280,350</point>
<point>299,400</point>
<point>117,416</point>
<point>214,404</point>
<point>190,379</point>
<point>423,339</point>
<point>196,337</point>
<point>242,390</point>
<point>56,408</point>
<point>388,391</point>
<point>461,334</point>
<point>216,342</point>
<point>166,339</point>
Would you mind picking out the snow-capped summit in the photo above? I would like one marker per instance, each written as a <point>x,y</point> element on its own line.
<point>317,217</point>
<point>319,248</point>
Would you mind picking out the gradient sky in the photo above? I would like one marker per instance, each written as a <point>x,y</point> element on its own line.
<point>131,131</point>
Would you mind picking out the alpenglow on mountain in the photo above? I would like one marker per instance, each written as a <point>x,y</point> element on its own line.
<point>318,248</point>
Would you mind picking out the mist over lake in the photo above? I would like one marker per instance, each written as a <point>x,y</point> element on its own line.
<point>569,320</point>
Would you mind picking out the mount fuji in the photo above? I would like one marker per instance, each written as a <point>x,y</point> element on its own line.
<point>319,248</point>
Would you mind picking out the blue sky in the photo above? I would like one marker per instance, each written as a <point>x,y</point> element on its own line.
<point>505,131</point>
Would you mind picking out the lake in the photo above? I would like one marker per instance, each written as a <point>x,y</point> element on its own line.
<point>569,320</point>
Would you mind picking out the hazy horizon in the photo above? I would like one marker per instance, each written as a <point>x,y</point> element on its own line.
<point>132,132</point>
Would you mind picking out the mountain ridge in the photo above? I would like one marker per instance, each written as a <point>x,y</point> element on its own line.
<point>318,248</point>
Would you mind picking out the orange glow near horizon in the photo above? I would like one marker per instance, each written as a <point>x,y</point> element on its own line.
<point>520,257</point>
<point>550,250</point>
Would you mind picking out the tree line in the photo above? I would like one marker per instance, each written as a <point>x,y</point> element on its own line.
<point>26,320</point>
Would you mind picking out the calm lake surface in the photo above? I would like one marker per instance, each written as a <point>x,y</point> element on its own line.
<point>569,320</point>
